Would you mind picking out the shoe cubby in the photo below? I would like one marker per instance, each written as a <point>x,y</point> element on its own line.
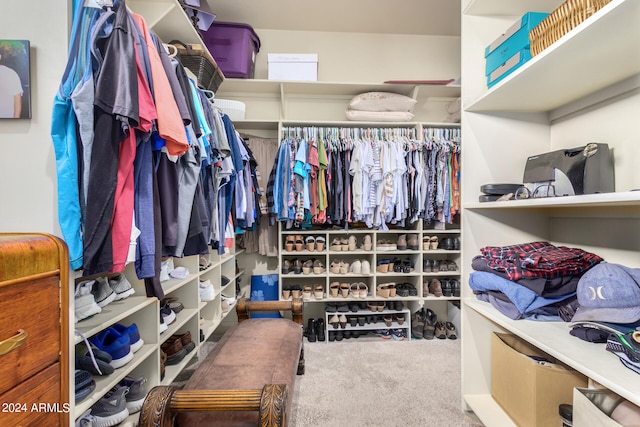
<point>373,257</point>
<point>183,291</point>
<point>184,357</point>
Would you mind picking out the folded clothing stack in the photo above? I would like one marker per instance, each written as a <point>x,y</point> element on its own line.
<point>453,109</point>
<point>380,107</point>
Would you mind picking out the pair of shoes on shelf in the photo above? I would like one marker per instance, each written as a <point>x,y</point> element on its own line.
<point>294,242</point>
<point>358,290</point>
<point>173,303</point>
<point>360,267</point>
<point>402,266</point>
<point>120,342</point>
<point>367,243</point>
<point>339,267</point>
<point>430,243</point>
<point>344,244</point>
<point>313,265</point>
<point>124,399</point>
<point>338,321</point>
<point>176,347</point>
<point>206,291</point>
<point>317,291</point>
<point>450,244</point>
<point>406,290</point>
<point>292,266</point>
<point>432,287</point>
<point>314,243</point>
<point>450,287</point>
<point>376,305</point>
<point>386,290</point>
<point>407,241</point>
<point>386,245</point>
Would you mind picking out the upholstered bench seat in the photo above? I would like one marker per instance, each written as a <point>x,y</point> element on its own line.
<point>255,363</point>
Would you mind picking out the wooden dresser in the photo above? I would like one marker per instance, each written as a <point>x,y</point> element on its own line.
<point>34,330</point>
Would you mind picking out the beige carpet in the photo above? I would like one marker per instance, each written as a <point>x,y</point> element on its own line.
<point>373,382</point>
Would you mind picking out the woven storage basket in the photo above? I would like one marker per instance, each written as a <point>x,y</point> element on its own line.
<point>198,61</point>
<point>562,20</point>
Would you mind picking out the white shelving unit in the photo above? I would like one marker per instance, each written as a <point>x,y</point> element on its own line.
<point>145,313</point>
<point>367,327</point>
<point>169,21</point>
<point>415,277</point>
<point>581,89</point>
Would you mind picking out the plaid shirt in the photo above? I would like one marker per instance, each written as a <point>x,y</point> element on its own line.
<point>538,259</point>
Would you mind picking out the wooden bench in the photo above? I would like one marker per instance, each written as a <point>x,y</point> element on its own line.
<point>247,379</point>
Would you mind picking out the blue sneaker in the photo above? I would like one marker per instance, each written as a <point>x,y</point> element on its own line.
<point>398,334</point>
<point>134,336</point>
<point>385,334</point>
<point>114,343</point>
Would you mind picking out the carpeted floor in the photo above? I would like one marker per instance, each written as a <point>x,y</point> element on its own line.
<point>373,382</point>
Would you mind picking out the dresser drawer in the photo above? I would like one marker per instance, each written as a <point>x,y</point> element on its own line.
<point>35,402</point>
<point>31,305</point>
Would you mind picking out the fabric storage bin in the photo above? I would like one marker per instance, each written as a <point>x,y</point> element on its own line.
<point>512,41</point>
<point>234,47</point>
<point>593,407</point>
<point>508,67</point>
<point>264,288</point>
<point>530,392</point>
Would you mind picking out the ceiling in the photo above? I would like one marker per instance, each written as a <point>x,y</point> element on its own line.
<point>422,17</point>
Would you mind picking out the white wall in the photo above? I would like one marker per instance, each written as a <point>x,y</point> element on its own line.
<point>369,58</point>
<point>28,197</point>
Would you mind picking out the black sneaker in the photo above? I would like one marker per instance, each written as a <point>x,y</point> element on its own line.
<point>112,408</point>
<point>624,343</point>
<point>84,384</point>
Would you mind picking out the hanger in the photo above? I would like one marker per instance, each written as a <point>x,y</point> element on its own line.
<point>209,93</point>
<point>172,51</point>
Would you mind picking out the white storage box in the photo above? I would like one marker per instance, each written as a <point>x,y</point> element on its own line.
<point>234,109</point>
<point>293,66</point>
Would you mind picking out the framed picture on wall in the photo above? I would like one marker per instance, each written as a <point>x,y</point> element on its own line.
<point>15,80</point>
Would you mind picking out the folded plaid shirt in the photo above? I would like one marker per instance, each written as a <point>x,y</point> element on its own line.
<point>538,259</point>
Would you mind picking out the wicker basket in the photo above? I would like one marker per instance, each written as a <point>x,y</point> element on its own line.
<point>562,20</point>
<point>199,62</point>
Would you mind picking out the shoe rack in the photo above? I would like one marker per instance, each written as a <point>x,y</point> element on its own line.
<point>342,258</point>
<point>336,271</point>
<point>345,318</point>
<point>195,316</point>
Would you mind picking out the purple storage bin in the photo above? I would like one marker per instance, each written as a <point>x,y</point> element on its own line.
<point>234,47</point>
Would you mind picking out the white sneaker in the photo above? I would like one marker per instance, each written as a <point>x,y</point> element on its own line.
<point>84,301</point>
<point>121,287</point>
<point>356,267</point>
<point>206,291</point>
<point>102,292</point>
<point>365,267</point>
<point>229,300</point>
